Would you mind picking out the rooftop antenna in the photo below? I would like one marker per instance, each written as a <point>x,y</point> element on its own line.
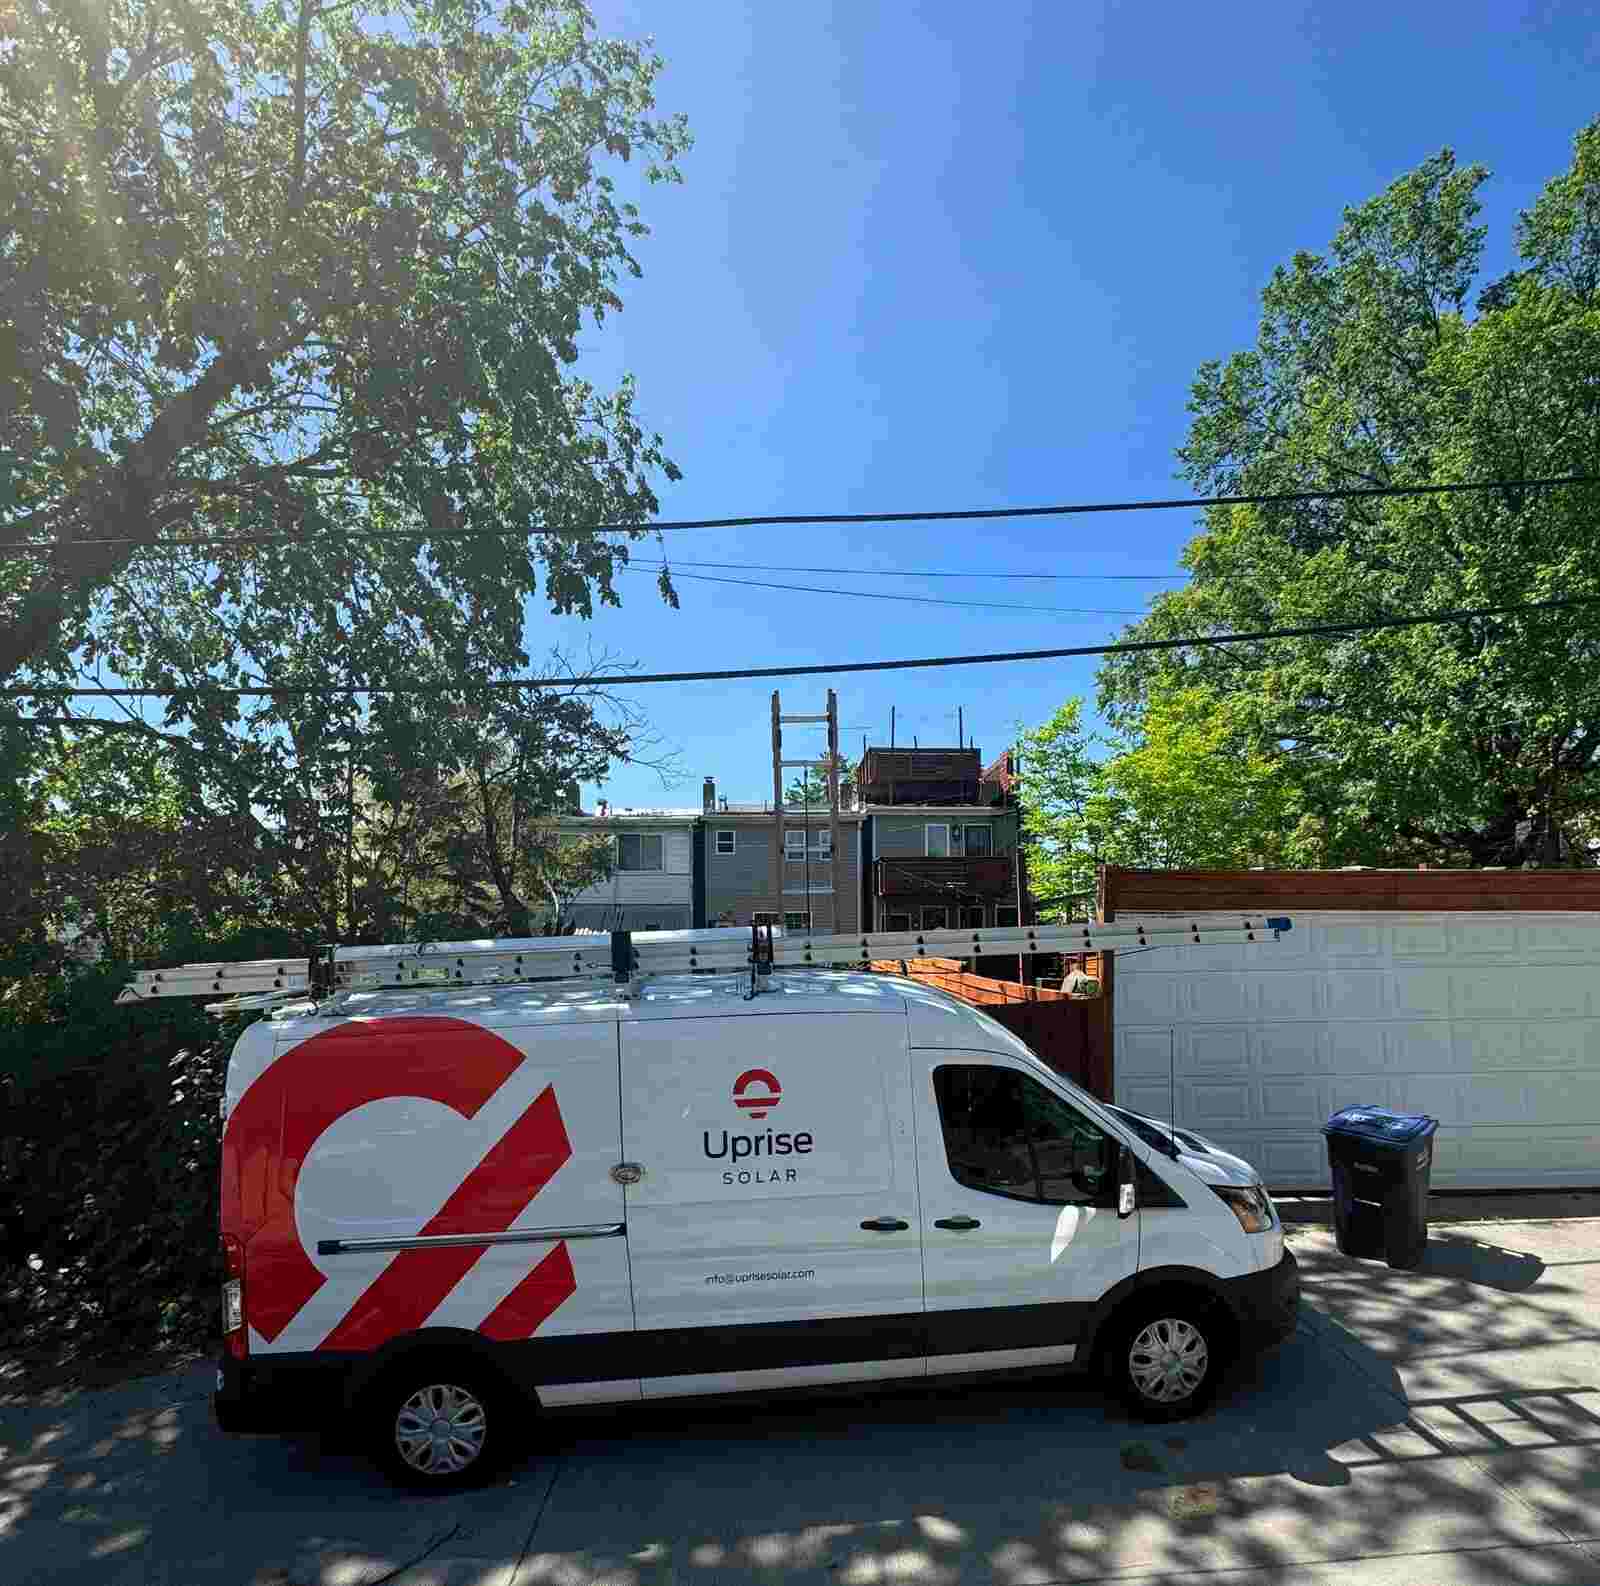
<point>961,728</point>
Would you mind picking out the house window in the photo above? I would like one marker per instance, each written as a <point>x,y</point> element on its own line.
<point>972,918</point>
<point>937,841</point>
<point>935,917</point>
<point>797,920</point>
<point>794,843</point>
<point>1005,916</point>
<point>724,842</point>
<point>763,917</point>
<point>897,922</point>
<point>638,851</point>
<point>980,842</point>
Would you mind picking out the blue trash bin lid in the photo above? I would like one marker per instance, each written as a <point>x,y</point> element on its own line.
<point>1381,1125</point>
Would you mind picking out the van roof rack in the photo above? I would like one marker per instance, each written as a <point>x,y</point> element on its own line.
<point>623,957</point>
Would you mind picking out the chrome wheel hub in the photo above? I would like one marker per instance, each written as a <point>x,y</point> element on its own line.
<point>1168,1360</point>
<point>439,1430</point>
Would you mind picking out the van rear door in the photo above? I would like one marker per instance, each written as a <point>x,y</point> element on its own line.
<point>774,1235</point>
<point>1019,1201</point>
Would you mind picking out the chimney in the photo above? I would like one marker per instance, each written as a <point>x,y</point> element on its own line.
<point>709,796</point>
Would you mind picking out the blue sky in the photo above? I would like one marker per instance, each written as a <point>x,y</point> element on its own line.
<point>943,255</point>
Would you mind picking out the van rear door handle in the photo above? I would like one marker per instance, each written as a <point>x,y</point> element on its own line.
<point>885,1225</point>
<point>959,1225</point>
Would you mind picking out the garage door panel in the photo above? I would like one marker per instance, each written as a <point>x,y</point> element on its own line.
<point>1284,1103</point>
<point>1217,999</point>
<point>1298,1161</point>
<point>1216,1106</point>
<point>1291,1048</point>
<point>1221,1049</point>
<point>1428,1047</point>
<point>1494,941</point>
<point>1142,1054</point>
<point>1421,993</point>
<point>1290,995</point>
<point>1493,1043</point>
<point>1420,941</point>
<point>1493,995</point>
<point>1554,990</point>
<point>1148,999</point>
<point>1571,1043</point>
<point>1357,994</point>
<point>1357,1049</point>
<point>1350,941</point>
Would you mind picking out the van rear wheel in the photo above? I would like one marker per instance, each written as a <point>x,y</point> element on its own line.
<point>1165,1359</point>
<point>437,1425</point>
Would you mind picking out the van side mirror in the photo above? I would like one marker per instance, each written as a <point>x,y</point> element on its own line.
<point>1127,1194</point>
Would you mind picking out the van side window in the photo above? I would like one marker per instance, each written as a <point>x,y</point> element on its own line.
<point>1006,1134</point>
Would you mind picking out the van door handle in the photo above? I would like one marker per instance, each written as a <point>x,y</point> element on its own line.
<point>885,1225</point>
<point>959,1225</point>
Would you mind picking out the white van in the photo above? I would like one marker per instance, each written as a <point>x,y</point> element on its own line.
<point>446,1210</point>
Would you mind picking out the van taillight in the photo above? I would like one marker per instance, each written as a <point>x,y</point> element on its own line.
<point>235,1335</point>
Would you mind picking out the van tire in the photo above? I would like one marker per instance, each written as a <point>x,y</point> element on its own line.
<point>439,1422</point>
<point>1163,1357</point>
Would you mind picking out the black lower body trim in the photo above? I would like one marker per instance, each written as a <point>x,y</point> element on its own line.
<point>291,1392</point>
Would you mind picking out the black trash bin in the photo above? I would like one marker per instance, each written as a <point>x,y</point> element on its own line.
<point>1381,1163</point>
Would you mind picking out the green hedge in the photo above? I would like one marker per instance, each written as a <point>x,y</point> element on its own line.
<point>109,1140</point>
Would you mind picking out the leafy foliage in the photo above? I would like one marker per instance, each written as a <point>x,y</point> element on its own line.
<point>1474,741</point>
<point>1191,790</point>
<point>108,1177</point>
<point>811,787</point>
<point>299,269</point>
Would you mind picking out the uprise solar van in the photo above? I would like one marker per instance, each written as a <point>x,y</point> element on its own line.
<point>447,1210</point>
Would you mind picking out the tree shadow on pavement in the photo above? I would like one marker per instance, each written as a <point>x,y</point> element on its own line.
<point>1314,1452</point>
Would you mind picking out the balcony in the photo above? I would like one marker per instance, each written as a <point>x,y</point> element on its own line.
<point>991,876</point>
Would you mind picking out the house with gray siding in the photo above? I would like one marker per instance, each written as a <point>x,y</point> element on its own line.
<point>738,844</point>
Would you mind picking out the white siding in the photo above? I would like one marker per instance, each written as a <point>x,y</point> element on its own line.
<point>671,886</point>
<point>1491,1023</point>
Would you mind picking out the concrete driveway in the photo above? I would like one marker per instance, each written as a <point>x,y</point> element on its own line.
<point>1439,1426</point>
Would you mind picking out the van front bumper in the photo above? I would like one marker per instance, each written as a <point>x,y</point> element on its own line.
<point>1266,1304</point>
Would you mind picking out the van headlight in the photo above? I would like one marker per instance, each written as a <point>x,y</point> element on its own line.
<point>1249,1203</point>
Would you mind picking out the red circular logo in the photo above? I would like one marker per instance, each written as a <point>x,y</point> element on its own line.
<point>767,1094</point>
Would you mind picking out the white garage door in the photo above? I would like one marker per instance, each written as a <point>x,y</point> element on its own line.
<point>1489,1023</point>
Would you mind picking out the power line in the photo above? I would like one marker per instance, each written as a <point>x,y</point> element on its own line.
<point>768,520</point>
<point>654,569</point>
<point>736,674</point>
<point>895,572</point>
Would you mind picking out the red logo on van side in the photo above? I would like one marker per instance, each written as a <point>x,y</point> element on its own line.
<point>283,1114</point>
<point>757,1105</point>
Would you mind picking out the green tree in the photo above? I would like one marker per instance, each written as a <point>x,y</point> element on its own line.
<point>281,267</point>
<point>1191,790</point>
<point>1476,742</point>
<point>811,787</point>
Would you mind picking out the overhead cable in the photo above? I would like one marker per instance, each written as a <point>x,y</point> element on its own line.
<point>767,520</point>
<point>737,674</point>
<point>655,568</point>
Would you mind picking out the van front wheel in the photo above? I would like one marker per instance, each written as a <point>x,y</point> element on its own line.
<point>437,1427</point>
<point>1166,1359</point>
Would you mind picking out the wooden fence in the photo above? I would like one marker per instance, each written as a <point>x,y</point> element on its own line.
<point>1072,1034</point>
